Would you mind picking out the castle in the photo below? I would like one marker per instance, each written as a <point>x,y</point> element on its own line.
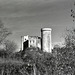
<point>43,42</point>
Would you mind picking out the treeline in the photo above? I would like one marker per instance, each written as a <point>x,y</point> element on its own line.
<point>32,61</point>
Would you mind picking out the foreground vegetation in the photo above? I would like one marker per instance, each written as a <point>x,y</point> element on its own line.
<point>33,61</point>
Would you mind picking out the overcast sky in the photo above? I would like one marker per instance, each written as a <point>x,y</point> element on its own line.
<point>27,17</point>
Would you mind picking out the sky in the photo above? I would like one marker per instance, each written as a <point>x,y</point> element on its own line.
<point>27,17</point>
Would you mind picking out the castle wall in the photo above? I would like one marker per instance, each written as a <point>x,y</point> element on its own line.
<point>31,41</point>
<point>24,40</point>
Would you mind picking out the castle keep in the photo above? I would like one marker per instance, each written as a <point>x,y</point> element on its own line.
<point>43,42</point>
<point>46,39</point>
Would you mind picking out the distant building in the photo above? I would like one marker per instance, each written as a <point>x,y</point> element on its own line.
<point>43,42</point>
<point>31,41</point>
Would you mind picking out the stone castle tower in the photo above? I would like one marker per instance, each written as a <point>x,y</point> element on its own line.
<point>46,39</point>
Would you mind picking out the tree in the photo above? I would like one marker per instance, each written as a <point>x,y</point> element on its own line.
<point>4,32</point>
<point>65,56</point>
<point>70,38</point>
<point>31,57</point>
<point>65,61</point>
<point>10,46</point>
<point>41,62</point>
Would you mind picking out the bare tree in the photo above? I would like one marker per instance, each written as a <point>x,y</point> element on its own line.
<point>10,46</point>
<point>4,32</point>
<point>70,38</point>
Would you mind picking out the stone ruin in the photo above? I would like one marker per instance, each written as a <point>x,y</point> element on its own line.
<point>43,42</point>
